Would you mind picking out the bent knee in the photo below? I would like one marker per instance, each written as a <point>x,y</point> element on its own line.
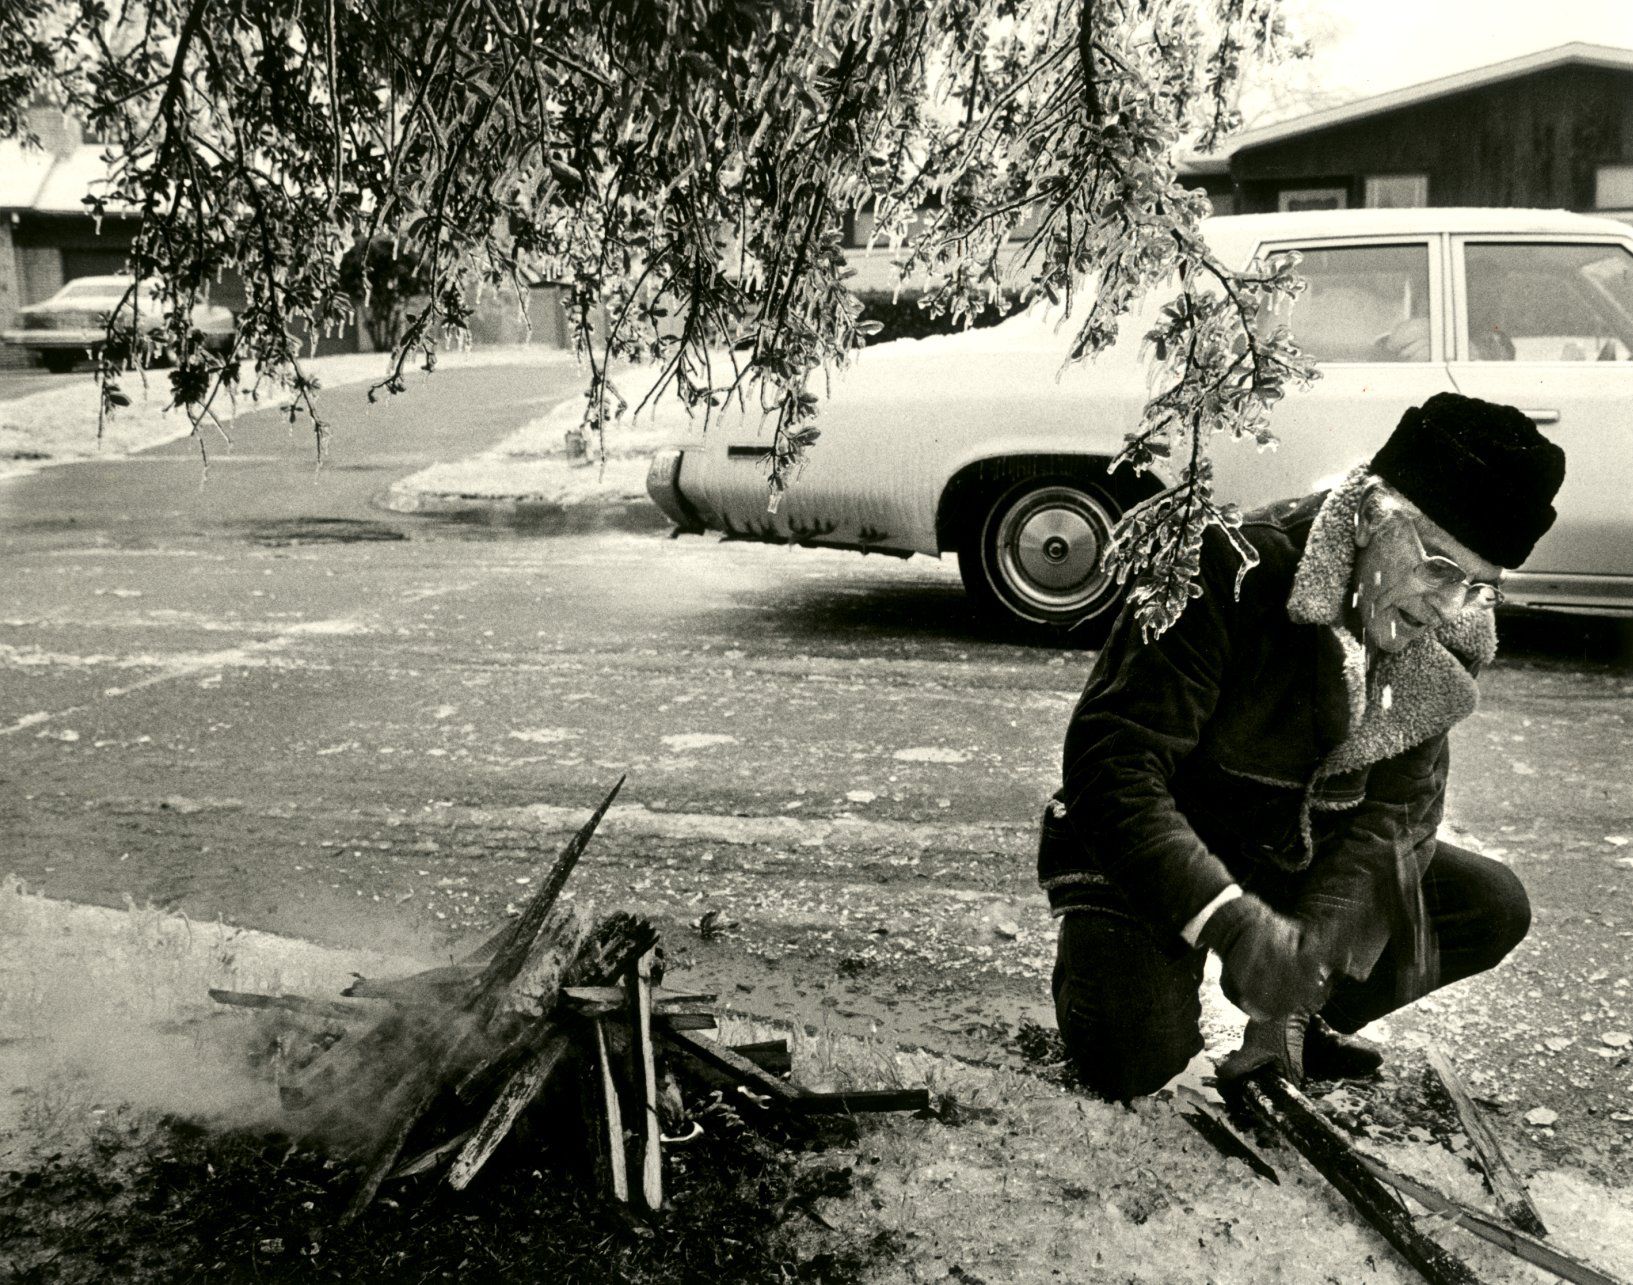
<point>1507,913</point>
<point>1123,1078</point>
<point>1120,1060</point>
<point>1511,916</point>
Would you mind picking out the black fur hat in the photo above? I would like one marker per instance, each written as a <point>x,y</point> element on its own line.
<point>1477,469</point>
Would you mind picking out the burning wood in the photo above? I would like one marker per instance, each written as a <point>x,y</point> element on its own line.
<point>441,1066</point>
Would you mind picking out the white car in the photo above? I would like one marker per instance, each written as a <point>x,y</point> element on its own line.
<point>980,444</point>
<point>72,323</point>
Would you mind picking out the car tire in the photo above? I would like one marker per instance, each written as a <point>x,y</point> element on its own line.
<point>1031,559</point>
<point>57,361</point>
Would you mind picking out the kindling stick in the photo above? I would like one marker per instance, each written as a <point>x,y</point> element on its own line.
<point>649,1137</point>
<point>771,1056</point>
<point>685,1021</point>
<point>1506,1185</point>
<point>518,1094</point>
<point>598,1001</point>
<point>430,1158</point>
<point>611,1117</point>
<point>723,1063</point>
<point>517,942</point>
<point>433,986</point>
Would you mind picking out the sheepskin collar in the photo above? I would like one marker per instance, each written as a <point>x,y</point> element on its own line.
<point>1410,695</point>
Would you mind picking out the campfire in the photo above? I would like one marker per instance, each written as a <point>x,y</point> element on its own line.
<point>556,1015</point>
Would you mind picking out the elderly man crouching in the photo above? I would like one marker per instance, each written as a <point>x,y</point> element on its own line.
<point>1265,779</point>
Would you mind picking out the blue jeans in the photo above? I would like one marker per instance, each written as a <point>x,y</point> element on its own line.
<point>1130,1011</point>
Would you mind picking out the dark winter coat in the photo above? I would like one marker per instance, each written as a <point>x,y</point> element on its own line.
<point>1241,746</point>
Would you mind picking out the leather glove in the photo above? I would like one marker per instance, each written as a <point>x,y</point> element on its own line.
<point>1269,969</point>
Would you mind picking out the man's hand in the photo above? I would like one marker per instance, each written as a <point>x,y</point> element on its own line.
<point>1269,969</point>
<point>1408,341</point>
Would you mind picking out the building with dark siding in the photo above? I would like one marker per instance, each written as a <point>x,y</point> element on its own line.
<point>1550,130</point>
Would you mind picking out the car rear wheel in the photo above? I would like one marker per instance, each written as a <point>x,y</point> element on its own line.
<point>1033,558</point>
<point>58,361</point>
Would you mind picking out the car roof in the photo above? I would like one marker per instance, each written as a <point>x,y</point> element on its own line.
<point>1229,232</point>
<point>117,281</point>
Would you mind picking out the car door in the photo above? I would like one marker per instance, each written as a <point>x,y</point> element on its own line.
<point>1545,323</point>
<point>1373,315</point>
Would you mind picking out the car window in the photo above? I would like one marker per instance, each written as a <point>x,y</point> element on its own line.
<point>1535,301</point>
<point>1363,303</point>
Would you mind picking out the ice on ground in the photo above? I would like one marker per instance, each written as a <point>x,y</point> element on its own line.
<point>697,740</point>
<point>1035,1184</point>
<point>544,735</point>
<point>930,754</point>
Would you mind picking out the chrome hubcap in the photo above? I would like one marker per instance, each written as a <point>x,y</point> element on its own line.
<point>1049,547</point>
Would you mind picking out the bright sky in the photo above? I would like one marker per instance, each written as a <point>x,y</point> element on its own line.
<point>1369,46</point>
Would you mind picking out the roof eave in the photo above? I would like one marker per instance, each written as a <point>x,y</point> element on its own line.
<point>1578,53</point>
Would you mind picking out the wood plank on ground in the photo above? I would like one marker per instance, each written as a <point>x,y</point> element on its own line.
<point>1268,1095</point>
<point>857,1101</point>
<point>1517,1243</point>
<point>1505,1184</point>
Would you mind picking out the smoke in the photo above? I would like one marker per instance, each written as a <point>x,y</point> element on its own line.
<point>103,1012</point>
<point>88,1056</point>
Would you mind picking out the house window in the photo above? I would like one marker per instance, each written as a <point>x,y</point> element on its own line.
<point>1613,188</point>
<point>1312,198</point>
<point>1397,191</point>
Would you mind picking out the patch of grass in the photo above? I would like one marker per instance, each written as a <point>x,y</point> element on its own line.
<point>183,1204</point>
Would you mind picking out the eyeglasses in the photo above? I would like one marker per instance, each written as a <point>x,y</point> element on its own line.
<point>1444,574</point>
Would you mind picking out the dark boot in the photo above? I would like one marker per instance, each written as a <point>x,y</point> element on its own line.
<point>1332,1055</point>
<point>1302,1047</point>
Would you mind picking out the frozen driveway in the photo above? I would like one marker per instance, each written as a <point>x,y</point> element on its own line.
<point>259,698</point>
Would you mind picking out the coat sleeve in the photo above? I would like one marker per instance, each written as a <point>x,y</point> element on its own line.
<point>1142,712</point>
<point>1366,888</point>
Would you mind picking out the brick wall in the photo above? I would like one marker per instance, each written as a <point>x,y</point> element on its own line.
<point>10,297</point>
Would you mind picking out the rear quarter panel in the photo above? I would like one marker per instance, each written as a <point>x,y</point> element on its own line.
<point>900,424</point>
